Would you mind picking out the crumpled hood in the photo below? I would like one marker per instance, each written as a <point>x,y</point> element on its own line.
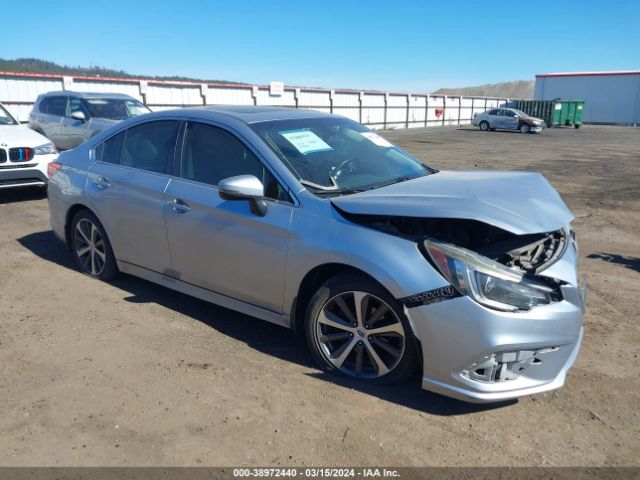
<point>20,136</point>
<point>519,202</point>
<point>530,120</point>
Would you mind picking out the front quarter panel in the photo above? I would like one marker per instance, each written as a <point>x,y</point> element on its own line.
<point>320,235</point>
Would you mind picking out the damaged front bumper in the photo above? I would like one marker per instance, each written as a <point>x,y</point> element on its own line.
<point>481,355</point>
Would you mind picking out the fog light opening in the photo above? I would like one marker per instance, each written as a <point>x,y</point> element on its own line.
<point>504,366</point>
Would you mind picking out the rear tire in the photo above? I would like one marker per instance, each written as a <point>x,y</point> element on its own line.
<point>354,328</point>
<point>91,248</point>
<point>484,126</point>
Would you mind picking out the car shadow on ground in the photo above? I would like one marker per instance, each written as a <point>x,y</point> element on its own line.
<point>25,194</point>
<point>632,263</point>
<point>477,130</point>
<point>262,336</point>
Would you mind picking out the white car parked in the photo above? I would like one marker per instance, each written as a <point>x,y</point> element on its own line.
<point>24,154</point>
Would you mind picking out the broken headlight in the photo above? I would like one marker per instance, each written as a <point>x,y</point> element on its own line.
<point>486,281</point>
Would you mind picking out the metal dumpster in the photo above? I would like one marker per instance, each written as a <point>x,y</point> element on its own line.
<point>556,112</point>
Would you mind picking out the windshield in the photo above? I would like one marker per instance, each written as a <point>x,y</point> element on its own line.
<point>114,108</point>
<point>519,112</point>
<point>336,154</point>
<point>6,118</point>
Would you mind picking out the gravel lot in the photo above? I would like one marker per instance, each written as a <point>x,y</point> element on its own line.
<point>130,373</point>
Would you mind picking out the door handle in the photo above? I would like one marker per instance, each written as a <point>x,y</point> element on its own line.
<point>102,182</point>
<point>178,205</point>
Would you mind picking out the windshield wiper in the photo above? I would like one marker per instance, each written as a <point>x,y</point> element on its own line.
<point>395,180</point>
<point>322,190</point>
<point>339,191</point>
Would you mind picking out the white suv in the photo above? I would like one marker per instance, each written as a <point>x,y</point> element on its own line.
<point>24,154</point>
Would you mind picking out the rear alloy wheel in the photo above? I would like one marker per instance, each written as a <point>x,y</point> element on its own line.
<point>91,248</point>
<point>356,329</point>
<point>525,128</point>
<point>484,126</point>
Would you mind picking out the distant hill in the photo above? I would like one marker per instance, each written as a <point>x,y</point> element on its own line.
<point>35,65</point>
<point>517,89</point>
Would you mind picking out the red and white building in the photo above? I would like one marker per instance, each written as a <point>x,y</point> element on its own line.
<point>610,97</point>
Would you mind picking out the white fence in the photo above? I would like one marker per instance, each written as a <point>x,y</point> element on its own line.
<point>377,109</point>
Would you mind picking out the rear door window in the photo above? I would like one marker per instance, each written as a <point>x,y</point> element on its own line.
<point>150,146</point>
<point>57,106</point>
<point>111,150</point>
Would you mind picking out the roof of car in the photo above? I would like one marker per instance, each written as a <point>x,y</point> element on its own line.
<point>87,94</point>
<point>250,113</point>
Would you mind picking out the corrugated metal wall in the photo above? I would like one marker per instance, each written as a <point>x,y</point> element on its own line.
<point>608,98</point>
<point>376,109</point>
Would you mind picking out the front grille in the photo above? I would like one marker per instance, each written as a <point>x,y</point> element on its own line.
<point>22,165</point>
<point>21,154</point>
<point>3,155</point>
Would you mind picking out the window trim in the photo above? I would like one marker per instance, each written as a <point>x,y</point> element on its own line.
<point>173,170</point>
<point>265,165</point>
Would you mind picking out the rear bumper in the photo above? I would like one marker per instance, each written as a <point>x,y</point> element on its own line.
<point>460,338</point>
<point>25,174</point>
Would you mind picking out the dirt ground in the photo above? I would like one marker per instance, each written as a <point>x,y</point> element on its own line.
<point>130,373</point>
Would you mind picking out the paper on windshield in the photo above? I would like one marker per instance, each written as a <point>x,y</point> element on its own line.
<point>305,141</point>
<point>377,139</point>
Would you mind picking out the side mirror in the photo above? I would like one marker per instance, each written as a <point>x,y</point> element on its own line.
<point>78,116</point>
<point>244,187</point>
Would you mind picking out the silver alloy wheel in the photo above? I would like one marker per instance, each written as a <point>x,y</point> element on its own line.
<point>89,247</point>
<point>360,334</point>
<point>525,128</point>
<point>484,126</point>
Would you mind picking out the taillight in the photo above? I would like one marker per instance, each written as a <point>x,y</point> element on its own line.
<point>53,168</point>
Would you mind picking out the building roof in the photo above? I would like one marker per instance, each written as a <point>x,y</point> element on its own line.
<point>179,83</point>
<point>588,74</point>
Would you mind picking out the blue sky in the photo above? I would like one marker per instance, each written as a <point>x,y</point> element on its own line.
<point>394,45</point>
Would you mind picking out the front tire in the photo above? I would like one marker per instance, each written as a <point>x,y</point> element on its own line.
<point>484,126</point>
<point>91,248</point>
<point>354,328</point>
<point>525,128</point>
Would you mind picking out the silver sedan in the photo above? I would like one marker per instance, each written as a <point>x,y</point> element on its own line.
<point>315,223</point>
<point>507,119</point>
